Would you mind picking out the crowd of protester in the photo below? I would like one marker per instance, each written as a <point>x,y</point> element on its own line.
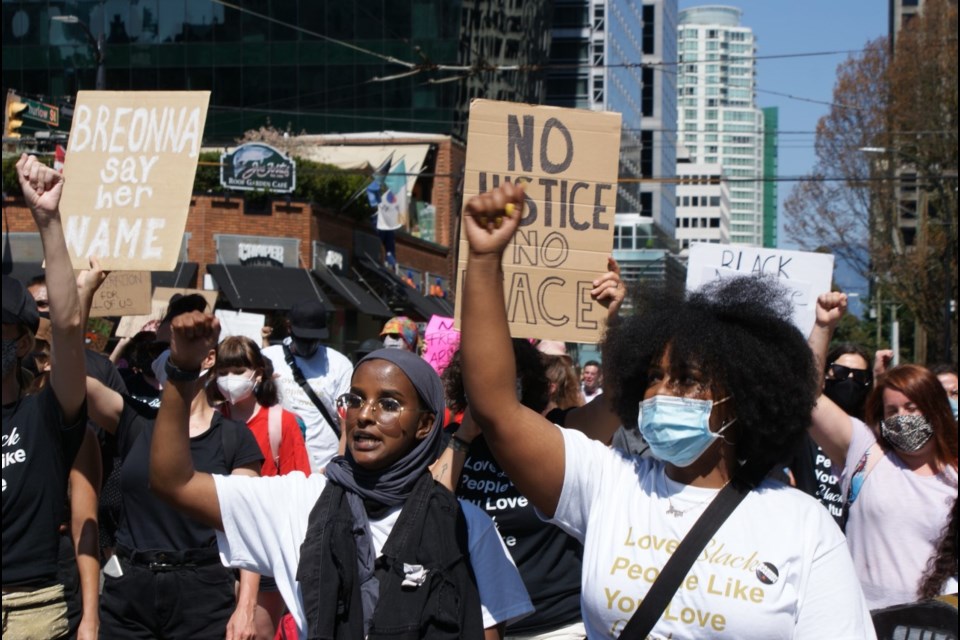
<point>192,487</point>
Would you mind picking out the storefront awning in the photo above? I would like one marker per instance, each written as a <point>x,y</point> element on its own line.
<point>369,157</point>
<point>353,294</point>
<point>265,288</point>
<point>183,276</point>
<point>403,295</point>
<point>26,271</point>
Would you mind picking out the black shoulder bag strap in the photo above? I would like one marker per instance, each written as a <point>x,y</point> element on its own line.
<point>307,389</point>
<point>678,566</point>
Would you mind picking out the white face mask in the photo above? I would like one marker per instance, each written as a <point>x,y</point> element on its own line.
<point>389,342</point>
<point>237,387</point>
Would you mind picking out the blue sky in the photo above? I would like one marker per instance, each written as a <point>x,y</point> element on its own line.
<point>804,26</point>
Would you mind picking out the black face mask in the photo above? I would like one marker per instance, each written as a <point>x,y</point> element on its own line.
<point>305,348</point>
<point>847,394</point>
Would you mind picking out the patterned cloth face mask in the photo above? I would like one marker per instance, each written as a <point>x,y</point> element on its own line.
<point>906,433</point>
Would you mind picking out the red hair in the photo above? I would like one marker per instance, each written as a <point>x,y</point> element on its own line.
<point>924,390</point>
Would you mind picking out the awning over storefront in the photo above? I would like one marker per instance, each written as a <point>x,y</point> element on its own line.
<point>353,294</point>
<point>370,156</point>
<point>402,295</point>
<point>26,271</point>
<point>183,276</point>
<point>265,288</point>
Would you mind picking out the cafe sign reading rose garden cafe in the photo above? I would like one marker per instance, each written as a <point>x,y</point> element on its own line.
<point>255,166</point>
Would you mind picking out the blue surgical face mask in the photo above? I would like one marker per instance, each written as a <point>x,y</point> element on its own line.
<point>953,406</point>
<point>678,429</point>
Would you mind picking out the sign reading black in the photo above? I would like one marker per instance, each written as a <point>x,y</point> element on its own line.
<point>255,166</point>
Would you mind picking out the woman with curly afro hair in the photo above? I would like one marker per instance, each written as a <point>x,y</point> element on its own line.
<point>721,385</point>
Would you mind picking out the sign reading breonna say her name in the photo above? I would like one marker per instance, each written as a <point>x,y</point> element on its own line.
<point>129,169</point>
<point>568,159</point>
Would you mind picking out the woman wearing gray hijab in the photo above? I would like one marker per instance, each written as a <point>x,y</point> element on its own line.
<point>372,548</point>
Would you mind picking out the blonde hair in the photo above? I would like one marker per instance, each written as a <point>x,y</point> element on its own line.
<point>563,377</point>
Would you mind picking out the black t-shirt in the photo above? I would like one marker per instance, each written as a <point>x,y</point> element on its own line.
<point>150,524</point>
<point>38,451</point>
<point>548,559</point>
<point>813,473</point>
<point>139,389</point>
<point>100,368</point>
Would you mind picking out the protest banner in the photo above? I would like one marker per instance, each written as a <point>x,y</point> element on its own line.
<point>129,170</point>
<point>440,341</point>
<point>239,323</point>
<point>806,275</point>
<point>568,159</point>
<point>123,293</point>
<point>129,326</point>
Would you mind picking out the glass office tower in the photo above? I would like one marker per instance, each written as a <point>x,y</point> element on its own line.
<point>273,59</point>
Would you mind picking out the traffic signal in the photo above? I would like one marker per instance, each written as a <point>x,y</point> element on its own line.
<point>11,115</point>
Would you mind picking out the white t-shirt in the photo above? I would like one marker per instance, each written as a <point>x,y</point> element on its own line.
<point>895,521</point>
<point>328,373</point>
<point>265,521</point>
<point>587,397</point>
<point>777,568</point>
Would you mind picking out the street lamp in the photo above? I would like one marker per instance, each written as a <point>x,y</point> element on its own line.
<point>96,43</point>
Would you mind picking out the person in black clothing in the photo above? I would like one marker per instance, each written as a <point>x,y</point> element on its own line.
<point>42,435</point>
<point>847,380</point>
<point>549,560</point>
<point>167,580</point>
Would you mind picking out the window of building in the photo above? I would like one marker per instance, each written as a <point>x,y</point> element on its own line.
<point>649,29</point>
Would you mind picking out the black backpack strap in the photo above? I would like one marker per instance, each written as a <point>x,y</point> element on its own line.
<point>307,389</point>
<point>677,567</point>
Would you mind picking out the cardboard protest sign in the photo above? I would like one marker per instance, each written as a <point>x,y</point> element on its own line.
<point>441,341</point>
<point>129,169</point>
<point>129,326</point>
<point>239,323</point>
<point>806,275</point>
<point>569,160</point>
<point>123,293</point>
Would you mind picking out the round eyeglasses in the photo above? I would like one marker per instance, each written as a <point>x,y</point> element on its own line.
<point>386,410</point>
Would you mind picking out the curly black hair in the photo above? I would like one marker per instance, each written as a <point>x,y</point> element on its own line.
<point>531,374</point>
<point>738,333</point>
<point>943,563</point>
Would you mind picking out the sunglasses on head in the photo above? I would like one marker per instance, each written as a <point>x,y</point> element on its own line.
<point>840,372</point>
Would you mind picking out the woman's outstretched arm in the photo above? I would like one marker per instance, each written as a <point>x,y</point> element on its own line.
<point>830,427</point>
<point>528,447</point>
<point>172,475</point>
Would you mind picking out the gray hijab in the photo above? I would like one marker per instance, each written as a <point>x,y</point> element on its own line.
<point>391,486</point>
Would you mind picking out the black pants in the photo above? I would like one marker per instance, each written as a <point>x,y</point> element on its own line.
<point>183,603</point>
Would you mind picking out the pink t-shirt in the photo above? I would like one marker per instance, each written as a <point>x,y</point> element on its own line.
<point>895,521</point>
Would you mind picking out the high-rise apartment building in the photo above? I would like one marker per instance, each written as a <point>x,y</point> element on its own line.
<point>718,120</point>
<point>771,168</point>
<point>618,55</point>
<point>703,205</point>
<point>319,67</point>
<point>607,55</point>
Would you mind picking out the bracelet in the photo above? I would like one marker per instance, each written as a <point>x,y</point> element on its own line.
<point>458,444</point>
<point>176,374</point>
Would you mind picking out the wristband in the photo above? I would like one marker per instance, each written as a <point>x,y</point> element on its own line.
<point>458,444</point>
<point>176,374</point>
